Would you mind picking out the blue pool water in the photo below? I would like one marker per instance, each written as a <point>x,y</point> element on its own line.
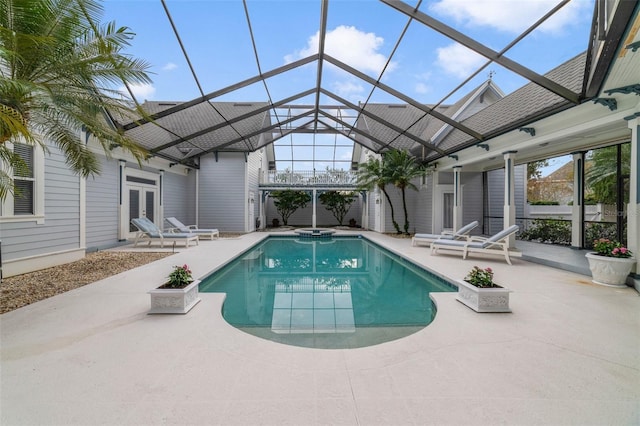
<point>339,292</point>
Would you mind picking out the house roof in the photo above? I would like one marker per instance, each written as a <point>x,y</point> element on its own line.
<point>183,131</point>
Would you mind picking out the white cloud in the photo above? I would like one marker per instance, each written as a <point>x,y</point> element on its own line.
<point>170,66</point>
<point>140,91</point>
<point>422,88</point>
<point>458,60</point>
<point>347,89</point>
<point>351,46</point>
<point>510,15</point>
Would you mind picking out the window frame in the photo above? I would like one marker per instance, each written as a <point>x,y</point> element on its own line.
<point>7,209</point>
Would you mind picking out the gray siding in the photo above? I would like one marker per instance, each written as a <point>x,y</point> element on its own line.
<point>102,206</point>
<point>324,218</point>
<point>61,228</point>
<point>222,192</point>
<point>423,212</point>
<point>371,201</point>
<point>396,198</point>
<point>495,201</point>
<point>254,162</point>
<point>472,200</point>
<point>178,197</point>
<point>495,194</point>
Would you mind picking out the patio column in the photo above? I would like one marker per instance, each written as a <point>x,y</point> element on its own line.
<point>313,216</point>
<point>509,212</point>
<point>365,210</point>
<point>633,210</point>
<point>457,197</point>
<point>577,209</point>
<point>263,223</point>
<point>122,228</point>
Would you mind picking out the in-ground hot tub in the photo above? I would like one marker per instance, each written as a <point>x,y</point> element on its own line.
<point>314,232</point>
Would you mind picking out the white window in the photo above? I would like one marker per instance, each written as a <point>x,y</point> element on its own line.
<point>27,202</point>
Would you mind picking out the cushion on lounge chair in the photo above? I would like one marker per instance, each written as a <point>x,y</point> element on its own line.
<point>150,230</point>
<point>209,233</point>
<point>496,244</point>
<point>429,238</point>
<point>145,225</point>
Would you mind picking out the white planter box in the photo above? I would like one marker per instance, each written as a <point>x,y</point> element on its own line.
<point>174,300</point>
<point>490,299</point>
<point>610,271</point>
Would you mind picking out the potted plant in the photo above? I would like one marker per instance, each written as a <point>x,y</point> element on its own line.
<point>176,296</point>
<point>611,263</point>
<point>479,292</point>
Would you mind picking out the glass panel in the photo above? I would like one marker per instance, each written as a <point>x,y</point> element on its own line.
<point>134,207</point>
<point>606,193</point>
<point>26,153</point>
<point>140,180</point>
<point>23,201</point>
<point>149,205</point>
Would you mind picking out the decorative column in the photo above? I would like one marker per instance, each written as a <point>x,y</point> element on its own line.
<point>197,198</point>
<point>509,212</point>
<point>577,209</point>
<point>263,223</point>
<point>365,210</point>
<point>457,198</point>
<point>124,227</point>
<point>313,216</point>
<point>633,209</point>
<point>161,197</point>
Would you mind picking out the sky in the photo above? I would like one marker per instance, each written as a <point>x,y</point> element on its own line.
<point>424,65</point>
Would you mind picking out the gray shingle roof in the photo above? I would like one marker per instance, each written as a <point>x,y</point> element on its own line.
<point>515,109</point>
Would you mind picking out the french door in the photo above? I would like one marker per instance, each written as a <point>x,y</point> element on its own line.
<point>142,201</point>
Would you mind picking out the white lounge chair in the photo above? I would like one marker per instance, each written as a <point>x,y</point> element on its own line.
<point>495,245</point>
<point>427,239</point>
<point>203,233</point>
<point>148,231</point>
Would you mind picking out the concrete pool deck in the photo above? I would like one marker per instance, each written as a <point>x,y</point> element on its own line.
<point>569,353</point>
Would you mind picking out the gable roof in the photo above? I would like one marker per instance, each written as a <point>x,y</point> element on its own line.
<point>526,104</point>
<point>182,131</point>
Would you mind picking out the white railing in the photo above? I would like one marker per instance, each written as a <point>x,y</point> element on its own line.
<point>309,178</point>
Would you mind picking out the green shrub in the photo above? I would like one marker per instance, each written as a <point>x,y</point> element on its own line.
<point>548,231</point>
<point>544,203</point>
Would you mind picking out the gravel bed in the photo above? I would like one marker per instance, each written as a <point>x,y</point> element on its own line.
<point>22,290</point>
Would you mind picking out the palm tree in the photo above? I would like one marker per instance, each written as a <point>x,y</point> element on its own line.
<point>374,174</point>
<point>58,71</point>
<point>403,168</point>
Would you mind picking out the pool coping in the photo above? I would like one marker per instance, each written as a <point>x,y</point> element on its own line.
<point>566,354</point>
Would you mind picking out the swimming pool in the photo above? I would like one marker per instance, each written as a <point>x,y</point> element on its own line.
<point>339,292</point>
